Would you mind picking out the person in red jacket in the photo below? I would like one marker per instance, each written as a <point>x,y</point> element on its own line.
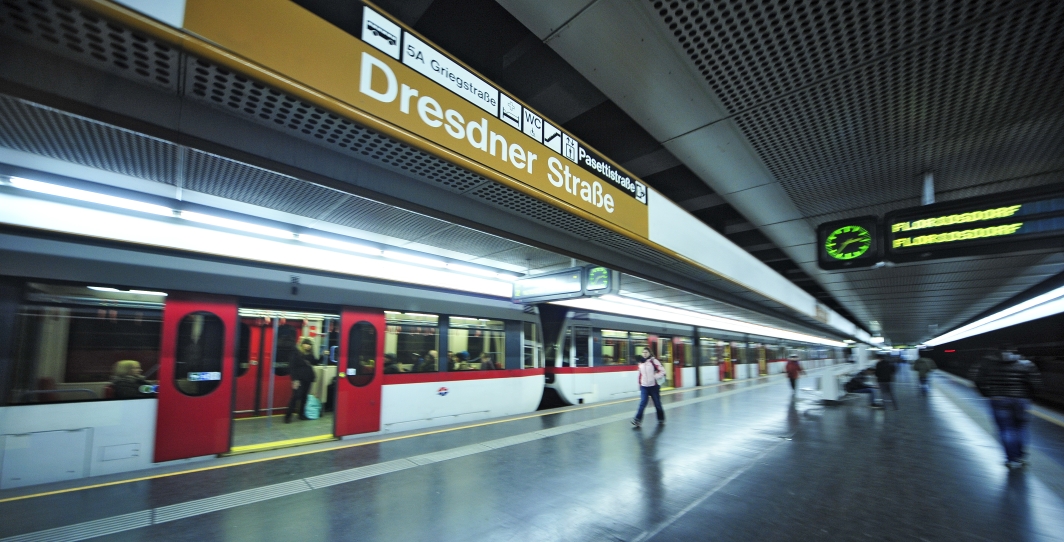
<point>650,372</point>
<point>794,369</point>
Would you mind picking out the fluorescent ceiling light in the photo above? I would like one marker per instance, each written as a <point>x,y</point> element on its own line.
<point>148,292</point>
<point>617,304</point>
<point>92,197</point>
<point>112,201</point>
<point>402,256</point>
<point>236,225</point>
<point>478,271</point>
<point>104,289</point>
<point>1041,306</point>
<point>278,248</point>
<point>341,245</point>
<point>877,340</point>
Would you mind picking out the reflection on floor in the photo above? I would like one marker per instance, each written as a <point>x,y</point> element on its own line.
<point>262,430</point>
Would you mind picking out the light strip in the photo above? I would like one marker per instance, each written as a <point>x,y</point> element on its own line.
<point>192,216</point>
<point>480,272</point>
<point>189,236</point>
<point>341,245</point>
<point>625,306</point>
<point>236,225</point>
<point>91,197</point>
<point>404,257</point>
<point>148,292</point>
<point>1047,304</point>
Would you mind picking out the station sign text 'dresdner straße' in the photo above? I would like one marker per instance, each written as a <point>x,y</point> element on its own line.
<point>393,75</point>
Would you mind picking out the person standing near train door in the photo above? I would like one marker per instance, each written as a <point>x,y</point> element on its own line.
<point>651,375</point>
<point>302,370</point>
<point>794,369</point>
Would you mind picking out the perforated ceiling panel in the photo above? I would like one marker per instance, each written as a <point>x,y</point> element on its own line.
<point>473,242</point>
<point>38,130</point>
<point>253,100</point>
<point>849,102</point>
<point>233,180</point>
<point>68,31</point>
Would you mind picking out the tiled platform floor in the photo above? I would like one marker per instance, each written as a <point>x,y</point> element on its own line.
<point>739,462</point>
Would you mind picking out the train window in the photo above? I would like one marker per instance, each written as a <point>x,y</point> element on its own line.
<point>243,351</point>
<point>200,347</point>
<point>73,343</point>
<point>361,354</point>
<point>615,347</point>
<point>411,342</point>
<point>532,346</point>
<point>582,345</point>
<point>683,354</point>
<point>567,347</point>
<point>287,347</point>
<point>476,344</point>
<point>638,342</point>
<point>708,351</point>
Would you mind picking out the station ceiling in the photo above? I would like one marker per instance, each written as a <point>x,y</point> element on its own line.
<point>767,118</point>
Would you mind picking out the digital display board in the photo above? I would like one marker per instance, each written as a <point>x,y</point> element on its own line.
<point>587,281</point>
<point>1007,222</point>
<point>566,284</point>
<point>849,244</point>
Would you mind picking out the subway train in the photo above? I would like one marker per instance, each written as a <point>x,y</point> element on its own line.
<point>1041,341</point>
<point>126,357</point>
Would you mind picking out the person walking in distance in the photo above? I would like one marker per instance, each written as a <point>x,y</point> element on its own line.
<point>651,374</point>
<point>885,378</point>
<point>1010,383</point>
<point>923,367</point>
<point>794,369</point>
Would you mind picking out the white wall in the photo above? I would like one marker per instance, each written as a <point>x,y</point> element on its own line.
<point>63,441</point>
<point>413,406</point>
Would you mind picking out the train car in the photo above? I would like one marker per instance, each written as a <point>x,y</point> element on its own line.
<point>127,358</point>
<point>595,359</point>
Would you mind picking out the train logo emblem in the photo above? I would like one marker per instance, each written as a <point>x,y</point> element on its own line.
<point>442,391</point>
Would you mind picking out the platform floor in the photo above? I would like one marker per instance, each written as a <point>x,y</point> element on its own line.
<point>738,461</point>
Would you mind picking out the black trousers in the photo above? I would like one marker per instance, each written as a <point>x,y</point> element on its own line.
<point>298,400</point>
<point>794,383</point>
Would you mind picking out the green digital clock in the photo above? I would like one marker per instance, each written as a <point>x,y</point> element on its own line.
<point>848,242</point>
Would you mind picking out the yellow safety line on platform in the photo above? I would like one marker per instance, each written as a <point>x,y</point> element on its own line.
<point>257,417</point>
<point>352,445</point>
<point>1047,417</point>
<point>237,450</point>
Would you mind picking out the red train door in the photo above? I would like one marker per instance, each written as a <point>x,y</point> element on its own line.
<point>195,376</point>
<point>361,372</point>
<point>248,367</point>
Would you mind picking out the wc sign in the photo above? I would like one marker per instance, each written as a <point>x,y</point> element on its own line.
<point>532,125</point>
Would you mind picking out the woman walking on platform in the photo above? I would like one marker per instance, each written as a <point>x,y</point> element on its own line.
<point>794,369</point>
<point>651,374</point>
